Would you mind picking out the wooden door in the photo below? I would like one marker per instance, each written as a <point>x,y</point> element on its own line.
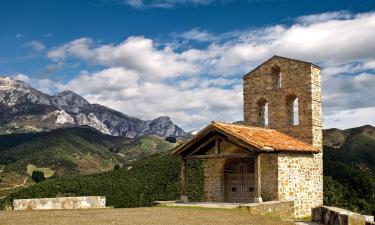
<point>239,179</point>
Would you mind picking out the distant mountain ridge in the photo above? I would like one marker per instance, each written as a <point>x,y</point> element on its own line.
<point>25,109</point>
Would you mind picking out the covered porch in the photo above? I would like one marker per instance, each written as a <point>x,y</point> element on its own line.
<point>240,163</point>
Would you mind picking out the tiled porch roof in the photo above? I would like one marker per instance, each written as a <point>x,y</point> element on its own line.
<point>262,139</point>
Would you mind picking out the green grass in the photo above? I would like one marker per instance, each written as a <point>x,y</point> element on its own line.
<point>46,171</point>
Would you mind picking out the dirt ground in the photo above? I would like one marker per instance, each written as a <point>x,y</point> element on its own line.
<point>137,216</point>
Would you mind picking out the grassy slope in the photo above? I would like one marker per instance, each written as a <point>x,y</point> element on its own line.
<point>66,151</point>
<point>141,183</point>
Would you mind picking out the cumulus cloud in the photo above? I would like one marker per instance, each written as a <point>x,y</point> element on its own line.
<point>35,45</point>
<point>189,106</point>
<point>196,85</point>
<point>135,53</point>
<point>44,85</point>
<point>22,77</point>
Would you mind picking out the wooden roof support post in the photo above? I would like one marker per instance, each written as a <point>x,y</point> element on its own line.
<point>217,146</point>
<point>258,180</point>
<point>184,197</point>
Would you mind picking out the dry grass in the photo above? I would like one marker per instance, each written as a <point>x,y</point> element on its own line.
<point>137,216</point>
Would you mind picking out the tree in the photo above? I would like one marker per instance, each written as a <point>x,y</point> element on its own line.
<point>117,167</point>
<point>171,139</point>
<point>38,176</point>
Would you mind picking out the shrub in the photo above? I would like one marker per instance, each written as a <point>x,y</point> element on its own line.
<point>38,176</point>
<point>171,139</point>
<point>117,167</point>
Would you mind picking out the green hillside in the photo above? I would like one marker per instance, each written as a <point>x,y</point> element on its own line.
<point>69,151</point>
<point>349,168</point>
<point>136,185</point>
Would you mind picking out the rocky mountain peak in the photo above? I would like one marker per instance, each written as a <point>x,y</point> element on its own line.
<point>25,108</point>
<point>69,101</point>
<point>15,92</point>
<point>12,83</point>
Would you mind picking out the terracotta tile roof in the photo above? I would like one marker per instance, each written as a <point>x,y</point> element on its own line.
<point>263,139</point>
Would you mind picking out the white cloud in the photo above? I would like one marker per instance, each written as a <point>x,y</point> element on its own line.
<point>350,118</point>
<point>197,34</point>
<point>35,45</point>
<point>22,77</point>
<point>143,4</point>
<point>194,86</point>
<point>123,90</point>
<point>324,17</point>
<point>135,53</point>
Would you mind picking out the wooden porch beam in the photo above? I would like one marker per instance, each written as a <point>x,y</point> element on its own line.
<point>202,146</point>
<point>222,155</point>
<point>217,145</point>
<point>258,181</point>
<point>236,143</point>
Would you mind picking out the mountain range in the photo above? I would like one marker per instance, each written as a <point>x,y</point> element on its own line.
<point>25,109</point>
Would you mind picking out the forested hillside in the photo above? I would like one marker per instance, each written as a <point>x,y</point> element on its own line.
<point>136,185</point>
<point>69,151</point>
<point>349,168</point>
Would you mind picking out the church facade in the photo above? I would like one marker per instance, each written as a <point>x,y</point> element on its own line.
<point>277,154</point>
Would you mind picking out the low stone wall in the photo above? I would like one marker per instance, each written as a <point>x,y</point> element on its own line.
<point>282,209</point>
<point>86,202</point>
<point>337,216</point>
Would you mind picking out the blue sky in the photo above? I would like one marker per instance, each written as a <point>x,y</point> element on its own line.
<point>186,58</point>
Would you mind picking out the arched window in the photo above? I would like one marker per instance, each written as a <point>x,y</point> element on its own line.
<point>262,113</point>
<point>276,74</point>
<point>292,110</point>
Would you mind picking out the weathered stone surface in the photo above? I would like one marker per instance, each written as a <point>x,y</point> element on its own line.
<point>298,79</point>
<point>282,209</point>
<point>337,216</point>
<point>299,176</point>
<point>87,202</point>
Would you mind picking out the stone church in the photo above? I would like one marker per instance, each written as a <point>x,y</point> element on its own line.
<point>277,154</point>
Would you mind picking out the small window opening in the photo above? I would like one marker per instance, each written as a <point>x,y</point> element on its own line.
<point>292,110</point>
<point>234,189</point>
<point>276,73</point>
<point>262,120</point>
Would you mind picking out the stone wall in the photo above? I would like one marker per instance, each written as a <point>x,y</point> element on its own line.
<point>337,216</point>
<point>214,180</point>
<point>298,79</point>
<point>87,202</point>
<point>269,177</point>
<point>300,179</point>
<point>281,209</point>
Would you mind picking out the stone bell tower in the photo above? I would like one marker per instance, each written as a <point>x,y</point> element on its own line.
<point>284,94</point>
